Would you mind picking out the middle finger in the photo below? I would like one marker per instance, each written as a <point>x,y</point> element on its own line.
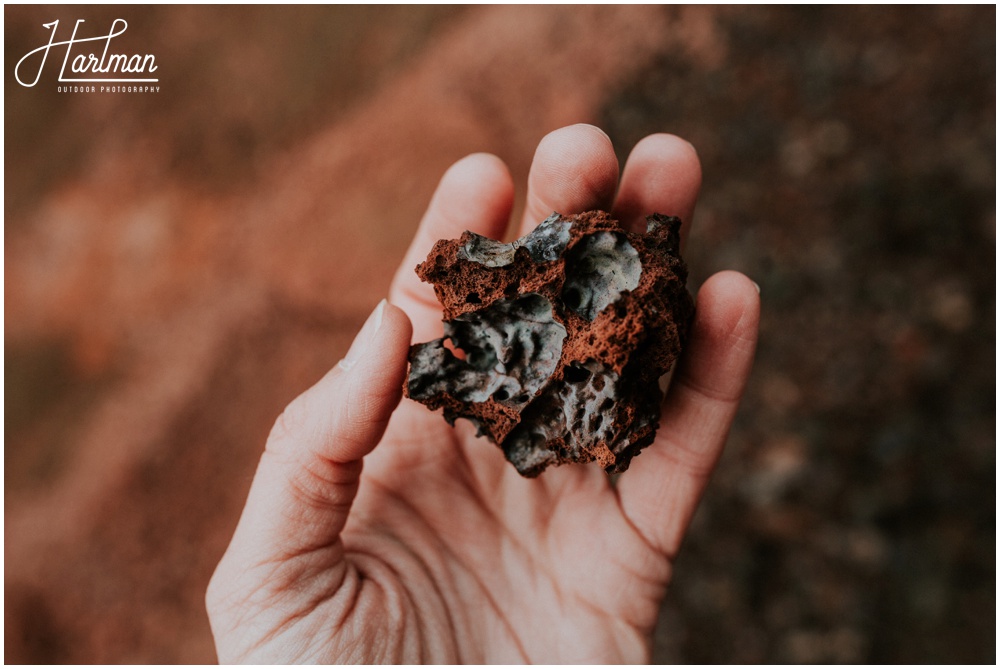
<point>574,170</point>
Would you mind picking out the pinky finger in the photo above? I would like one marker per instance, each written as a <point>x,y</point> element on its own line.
<point>659,496</point>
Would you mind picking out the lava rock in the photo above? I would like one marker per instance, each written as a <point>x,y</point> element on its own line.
<point>555,343</point>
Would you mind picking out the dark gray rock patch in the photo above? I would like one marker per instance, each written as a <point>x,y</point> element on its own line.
<point>598,270</point>
<point>511,349</point>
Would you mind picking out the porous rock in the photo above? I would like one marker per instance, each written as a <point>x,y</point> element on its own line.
<point>555,343</point>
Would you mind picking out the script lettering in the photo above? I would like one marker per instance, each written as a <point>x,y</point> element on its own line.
<point>84,63</point>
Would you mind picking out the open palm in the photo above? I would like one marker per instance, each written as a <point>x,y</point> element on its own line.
<point>436,550</point>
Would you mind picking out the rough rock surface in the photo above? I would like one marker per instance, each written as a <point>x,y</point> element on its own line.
<point>555,343</point>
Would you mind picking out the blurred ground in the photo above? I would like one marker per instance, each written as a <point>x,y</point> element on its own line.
<point>179,266</point>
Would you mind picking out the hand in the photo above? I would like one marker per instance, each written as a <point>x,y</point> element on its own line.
<point>438,551</point>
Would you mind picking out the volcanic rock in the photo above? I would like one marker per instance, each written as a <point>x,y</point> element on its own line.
<point>555,343</point>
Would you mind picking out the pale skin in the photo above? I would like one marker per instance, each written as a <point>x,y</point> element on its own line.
<point>374,532</point>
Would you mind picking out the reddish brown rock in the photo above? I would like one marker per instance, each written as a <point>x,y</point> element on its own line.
<point>559,338</point>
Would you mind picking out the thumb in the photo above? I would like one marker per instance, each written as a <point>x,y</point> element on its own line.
<point>308,474</point>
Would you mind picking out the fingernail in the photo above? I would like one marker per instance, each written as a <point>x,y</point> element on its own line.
<point>755,285</point>
<point>364,338</point>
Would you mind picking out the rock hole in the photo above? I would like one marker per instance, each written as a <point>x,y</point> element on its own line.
<point>501,394</point>
<point>572,298</point>
<point>455,349</point>
<point>573,374</point>
<point>522,398</point>
<point>473,298</point>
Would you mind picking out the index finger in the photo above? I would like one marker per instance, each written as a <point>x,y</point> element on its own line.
<point>477,194</point>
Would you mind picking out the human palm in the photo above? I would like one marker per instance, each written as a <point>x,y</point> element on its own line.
<point>436,550</point>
